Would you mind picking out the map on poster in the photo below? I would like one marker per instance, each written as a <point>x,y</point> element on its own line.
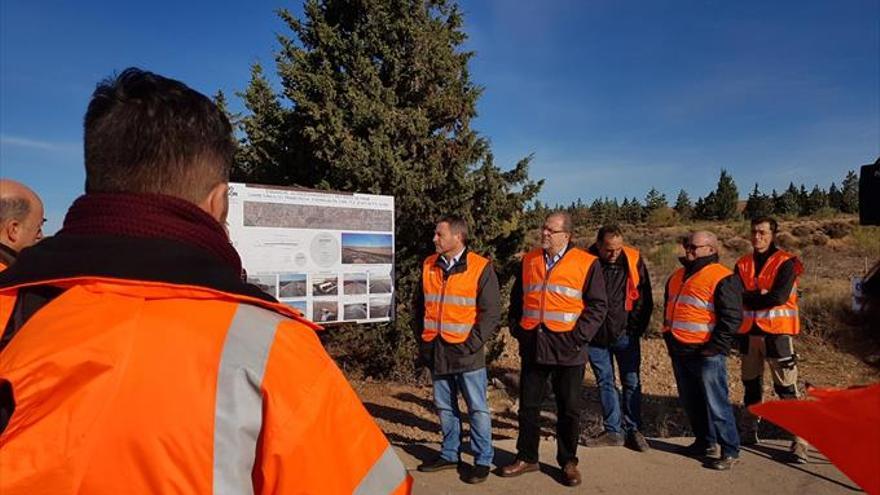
<point>327,254</point>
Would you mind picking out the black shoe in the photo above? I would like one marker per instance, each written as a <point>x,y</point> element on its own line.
<point>724,464</point>
<point>636,441</point>
<point>477,475</point>
<point>437,464</point>
<point>698,449</point>
<point>606,439</point>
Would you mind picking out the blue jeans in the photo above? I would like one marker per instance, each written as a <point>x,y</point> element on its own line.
<point>702,391</point>
<point>627,352</point>
<point>473,386</point>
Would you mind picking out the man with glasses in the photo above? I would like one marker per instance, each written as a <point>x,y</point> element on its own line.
<point>703,313</point>
<point>770,321</point>
<point>557,305</point>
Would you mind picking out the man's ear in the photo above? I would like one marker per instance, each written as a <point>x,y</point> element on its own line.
<point>216,203</point>
<point>12,231</point>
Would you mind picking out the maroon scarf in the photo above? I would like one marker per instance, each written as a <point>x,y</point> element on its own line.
<point>153,216</point>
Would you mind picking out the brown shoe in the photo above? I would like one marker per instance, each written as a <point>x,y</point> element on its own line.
<point>570,474</point>
<point>517,468</point>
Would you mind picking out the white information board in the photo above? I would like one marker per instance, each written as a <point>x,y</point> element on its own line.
<point>329,255</point>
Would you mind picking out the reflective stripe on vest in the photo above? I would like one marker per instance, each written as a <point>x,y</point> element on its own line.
<point>632,279</point>
<point>451,302</point>
<point>554,298</point>
<point>386,475</point>
<point>782,319</point>
<point>690,307</point>
<point>238,415</point>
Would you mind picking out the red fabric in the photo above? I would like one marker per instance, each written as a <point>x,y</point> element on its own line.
<point>150,216</point>
<point>843,424</point>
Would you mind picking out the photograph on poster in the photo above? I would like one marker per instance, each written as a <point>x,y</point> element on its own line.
<point>325,311</point>
<point>366,248</point>
<point>297,305</point>
<point>267,283</point>
<point>292,285</point>
<point>380,307</point>
<point>356,311</point>
<point>325,285</point>
<point>354,283</point>
<point>380,284</point>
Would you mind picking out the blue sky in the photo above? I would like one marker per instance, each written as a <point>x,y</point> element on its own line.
<point>366,240</point>
<point>613,97</point>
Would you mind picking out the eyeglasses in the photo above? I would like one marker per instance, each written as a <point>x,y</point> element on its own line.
<point>551,231</point>
<point>693,247</point>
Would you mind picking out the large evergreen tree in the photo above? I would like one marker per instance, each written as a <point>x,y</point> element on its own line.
<point>787,202</point>
<point>683,206</point>
<point>655,200</point>
<point>849,201</point>
<point>758,204</point>
<point>726,197</point>
<point>378,99</point>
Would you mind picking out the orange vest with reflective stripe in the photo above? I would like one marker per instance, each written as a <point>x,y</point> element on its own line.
<point>554,298</point>
<point>125,386</point>
<point>451,302</point>
<point>781,319</point>
<point>690,304</point>
<point>632,279</point>
<point>3,266</point>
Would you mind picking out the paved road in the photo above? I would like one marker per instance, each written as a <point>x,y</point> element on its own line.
<point>619,470</point>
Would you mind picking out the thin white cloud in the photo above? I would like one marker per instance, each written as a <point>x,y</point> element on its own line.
<point>23,142</point>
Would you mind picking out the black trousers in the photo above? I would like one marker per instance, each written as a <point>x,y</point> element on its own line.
<point>566,382</point>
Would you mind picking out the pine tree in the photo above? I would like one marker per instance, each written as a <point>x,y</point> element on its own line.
<point>726,197</point>
<point>683,206</point>
<point>655,200</point>
<point>835,197</point>
<point>379,100</point>
<point>849,201</point>
<point>816,200</point>
<point>758,204</point>
<point>787,202</point>
<point>803,199</point>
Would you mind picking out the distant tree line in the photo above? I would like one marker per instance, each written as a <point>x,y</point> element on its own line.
<point>719,204</point>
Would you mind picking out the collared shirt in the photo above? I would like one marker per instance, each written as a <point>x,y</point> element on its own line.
<point>549,262</point>
<point>453,261</point>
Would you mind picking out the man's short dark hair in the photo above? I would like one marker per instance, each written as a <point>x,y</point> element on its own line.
<point>145,133</point>
<point>774,227</point>
<point>611,229</point>
<point>14,208</point>
<point>456,224</point>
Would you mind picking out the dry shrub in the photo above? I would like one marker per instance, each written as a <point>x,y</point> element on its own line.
<point>664,258</point>
<point>867,240</point>
<point>837,230</point>
<point>819,239</point>
<point>662,217</point>
<point>786,241</point>
<point>803,230</point>
<point>737,244</point>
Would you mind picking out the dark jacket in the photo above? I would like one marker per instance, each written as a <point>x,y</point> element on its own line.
<point>7,255</point>
<point>778,294</point>
<point>728,313</point>
<point>543,346</point>
<point>443,358</point>
<point>618,320</point>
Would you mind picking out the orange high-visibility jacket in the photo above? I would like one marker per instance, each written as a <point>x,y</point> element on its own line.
<point>632,279</point>
<point>690,304</point>
<point>554,298</point>
<point>137,387</point>
<point>781,319</point>
<point>451,302</point>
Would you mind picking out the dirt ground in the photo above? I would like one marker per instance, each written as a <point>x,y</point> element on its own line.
<point>406,412</point>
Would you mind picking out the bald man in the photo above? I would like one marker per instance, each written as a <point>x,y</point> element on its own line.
<point>21,220</point>
<point>703,313</point>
